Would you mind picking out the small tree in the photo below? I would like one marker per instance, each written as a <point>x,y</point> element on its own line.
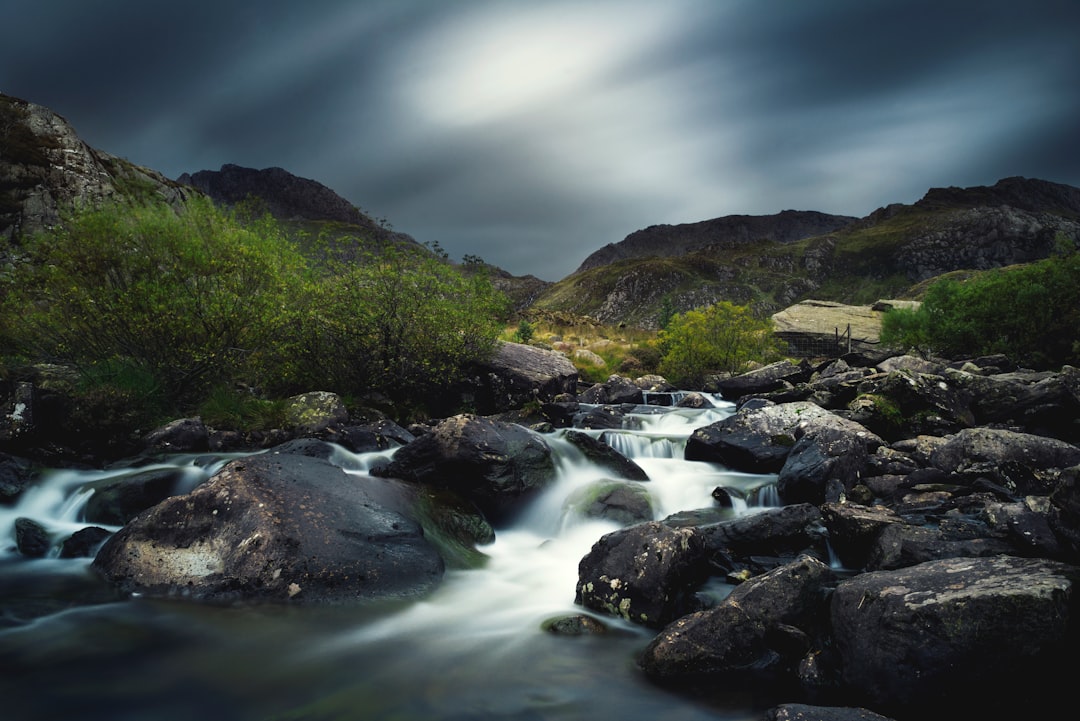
<point>720,338</point>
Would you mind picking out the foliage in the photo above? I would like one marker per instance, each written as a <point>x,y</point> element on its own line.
<point>723,337</point>
<point>183,297</point>
<point>1030,313</point>
<point>167,310</point>
<point>229,407</point>
<point>398,321</point>
<point>524,332</point>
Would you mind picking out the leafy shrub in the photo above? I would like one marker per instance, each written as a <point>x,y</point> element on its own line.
<point>1030,313</point>
<point>399,321</point>
<point>183,297</point>
<point>720,338</point>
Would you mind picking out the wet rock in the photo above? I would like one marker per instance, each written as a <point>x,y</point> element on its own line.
<point>185,435</point>
<point>828,449</point>
<point>84,543</point>
<point>755,439</point>
<point>118,499</point>
<point>645,574</point>
<point>31,538</point>
<point>602,454</point>
<point>763,380</point>
<point>920,637</point>
<point>493,464</point>
<point>747,637</point>
<point>623,502</point>
<point>282,528</point>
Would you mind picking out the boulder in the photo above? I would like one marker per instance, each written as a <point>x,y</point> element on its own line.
<point>996,451</point>
<point>616,390</point>
<point>760,541</point>
<point>623,502</point>
<point>274,527</point>
<point>763,628</point>
<point>921,637</point>
<point>15,475</point>
<point>315,412</point>
<point>516,374</point>
<point>754,439</point>
<point>185,435</point>
<point>496,465</point>
<point>826,461</point>
<point>763,380</point>
<point>118,499</point>
<point>599,452</point>
<point>645,573</point>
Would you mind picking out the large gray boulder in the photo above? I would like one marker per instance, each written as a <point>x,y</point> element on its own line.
<point>496,465</point>
<point>826,461</point>
<point>924,636</point>
<point>764,380</point>
<point>756,439</point>
<point>275,527</point>
<point>517,374</point>
<point>1023,462</point>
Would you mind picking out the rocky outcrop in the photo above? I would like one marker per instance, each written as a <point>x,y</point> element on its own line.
<point>46,171</point>
<point>819,328</point>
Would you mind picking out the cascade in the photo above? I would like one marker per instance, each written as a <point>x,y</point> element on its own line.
<point>474,648</point>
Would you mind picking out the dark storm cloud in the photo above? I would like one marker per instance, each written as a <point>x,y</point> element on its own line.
<point>532,134</point>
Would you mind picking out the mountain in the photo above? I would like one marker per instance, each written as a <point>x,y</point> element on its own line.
<point>46,170</point>
<point>716,235</point>
<point>288,198</point>
<point>313,207</point>
<point>771,262</point>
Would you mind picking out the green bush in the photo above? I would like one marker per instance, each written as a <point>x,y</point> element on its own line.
<point>398,321</point>
<point>1030,313</point>
<point>723,337</point>
<point>184,297</point>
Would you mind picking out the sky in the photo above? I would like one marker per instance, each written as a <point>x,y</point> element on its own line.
<point>532,133</point>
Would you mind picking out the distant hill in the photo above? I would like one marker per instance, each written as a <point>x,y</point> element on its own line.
<point>287,197</point>
<point>716,235</point>
<point>885,254</point>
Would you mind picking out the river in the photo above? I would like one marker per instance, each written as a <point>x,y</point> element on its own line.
<point>474,649</point>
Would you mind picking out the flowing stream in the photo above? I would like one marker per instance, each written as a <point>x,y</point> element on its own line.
<point>475,649</point>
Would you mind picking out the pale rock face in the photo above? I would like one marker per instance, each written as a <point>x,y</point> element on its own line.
<point>52,171</point>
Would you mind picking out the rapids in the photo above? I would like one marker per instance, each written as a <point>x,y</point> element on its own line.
<point>474,649</point>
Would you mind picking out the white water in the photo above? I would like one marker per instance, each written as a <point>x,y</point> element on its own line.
<point>473,649</point>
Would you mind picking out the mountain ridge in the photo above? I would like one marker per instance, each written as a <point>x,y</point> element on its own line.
<point>768,262</point>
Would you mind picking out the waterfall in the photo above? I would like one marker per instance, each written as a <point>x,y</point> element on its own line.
<point>474,648</point>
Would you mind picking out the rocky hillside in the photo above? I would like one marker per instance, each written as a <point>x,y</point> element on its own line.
<point>46,170</point>
<point>716,235</point>
<point>287,197</point>
<point>859,261</point>
<point>312,206</point>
